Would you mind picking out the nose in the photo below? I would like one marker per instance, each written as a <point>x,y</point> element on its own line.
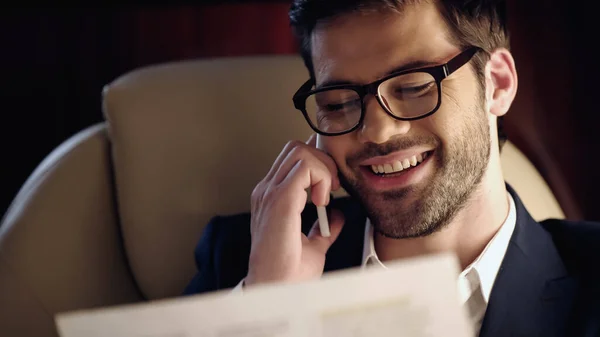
<point>378,126</point>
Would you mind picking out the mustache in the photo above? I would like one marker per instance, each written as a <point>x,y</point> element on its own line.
<point>374,150</point>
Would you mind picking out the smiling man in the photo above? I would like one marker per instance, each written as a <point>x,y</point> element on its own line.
<point>405,97</point>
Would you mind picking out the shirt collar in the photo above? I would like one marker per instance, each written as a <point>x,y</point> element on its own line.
<point>370,257</point>
<point>485,267</point>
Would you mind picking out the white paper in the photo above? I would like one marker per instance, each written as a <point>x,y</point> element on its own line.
<point>416,297</point>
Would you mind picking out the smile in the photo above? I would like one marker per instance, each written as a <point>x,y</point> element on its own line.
<point>398,169</point>
<point>400,165</point>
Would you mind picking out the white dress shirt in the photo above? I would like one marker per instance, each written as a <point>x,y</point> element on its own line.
<point>475,282</point>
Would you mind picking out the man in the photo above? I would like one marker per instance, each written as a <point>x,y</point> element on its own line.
<point>406,97</point>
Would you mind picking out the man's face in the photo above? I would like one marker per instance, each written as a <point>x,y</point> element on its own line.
<point>454,142</point>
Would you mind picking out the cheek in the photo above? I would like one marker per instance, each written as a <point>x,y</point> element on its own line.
<point>439,125</point>
<point>338,148</point>
<point>459,111</point>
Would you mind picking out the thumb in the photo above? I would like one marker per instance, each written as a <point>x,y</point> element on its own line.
<point>321,243</point>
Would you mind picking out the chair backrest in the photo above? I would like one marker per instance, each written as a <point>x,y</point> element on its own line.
<point>191,139</point>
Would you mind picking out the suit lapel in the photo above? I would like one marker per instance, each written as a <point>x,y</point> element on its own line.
<point>532,293</point>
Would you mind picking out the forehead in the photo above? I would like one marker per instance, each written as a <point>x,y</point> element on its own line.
<point>362,47</point>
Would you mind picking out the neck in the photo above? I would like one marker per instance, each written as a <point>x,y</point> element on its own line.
<point>468,233</point>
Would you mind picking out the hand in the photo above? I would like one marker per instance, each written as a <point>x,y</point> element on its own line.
<point>280,251</point>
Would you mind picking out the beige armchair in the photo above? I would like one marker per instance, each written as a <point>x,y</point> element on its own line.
<point>113,214</point>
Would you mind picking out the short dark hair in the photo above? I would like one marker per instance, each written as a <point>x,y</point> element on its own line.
<point>480,23</point>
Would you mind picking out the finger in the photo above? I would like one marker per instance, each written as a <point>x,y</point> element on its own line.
<point>321,243</point>
<point>280,158</point>
<point>311,156</point>
<point>320,193</point>
<point>314,141</point>
<point>290,146</point>
<point>313,174</point>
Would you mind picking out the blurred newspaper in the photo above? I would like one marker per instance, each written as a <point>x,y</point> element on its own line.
<point>416,297</point>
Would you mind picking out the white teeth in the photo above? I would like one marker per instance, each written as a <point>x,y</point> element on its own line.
<point>398,166</point>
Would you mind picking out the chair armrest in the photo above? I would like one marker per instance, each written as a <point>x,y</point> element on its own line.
<point>60,242</point>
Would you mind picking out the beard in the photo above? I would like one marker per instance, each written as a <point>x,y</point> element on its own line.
<point>428,206</point>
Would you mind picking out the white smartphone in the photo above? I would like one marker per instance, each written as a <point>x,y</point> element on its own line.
<point>321,211</point>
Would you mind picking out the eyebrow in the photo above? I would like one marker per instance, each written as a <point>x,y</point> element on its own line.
<point>408,66</point>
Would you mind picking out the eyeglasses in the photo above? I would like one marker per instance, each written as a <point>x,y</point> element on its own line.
<point>407,95</point>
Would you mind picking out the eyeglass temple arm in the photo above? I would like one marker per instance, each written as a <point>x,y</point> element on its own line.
<point>307,86</point>
<point>304,88</point>
<point>460,60</point>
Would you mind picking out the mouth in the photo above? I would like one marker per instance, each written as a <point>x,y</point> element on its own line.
<point>399,166</point>
<point>384,174</point>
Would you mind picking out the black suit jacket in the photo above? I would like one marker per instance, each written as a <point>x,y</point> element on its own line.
<point>548,283</point>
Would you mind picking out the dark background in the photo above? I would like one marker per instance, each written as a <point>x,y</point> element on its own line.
<point>54,63</point>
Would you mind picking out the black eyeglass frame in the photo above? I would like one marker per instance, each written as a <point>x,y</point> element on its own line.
<point>439,73</point>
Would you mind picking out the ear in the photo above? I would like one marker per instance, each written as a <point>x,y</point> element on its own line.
<point>501,81</point>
